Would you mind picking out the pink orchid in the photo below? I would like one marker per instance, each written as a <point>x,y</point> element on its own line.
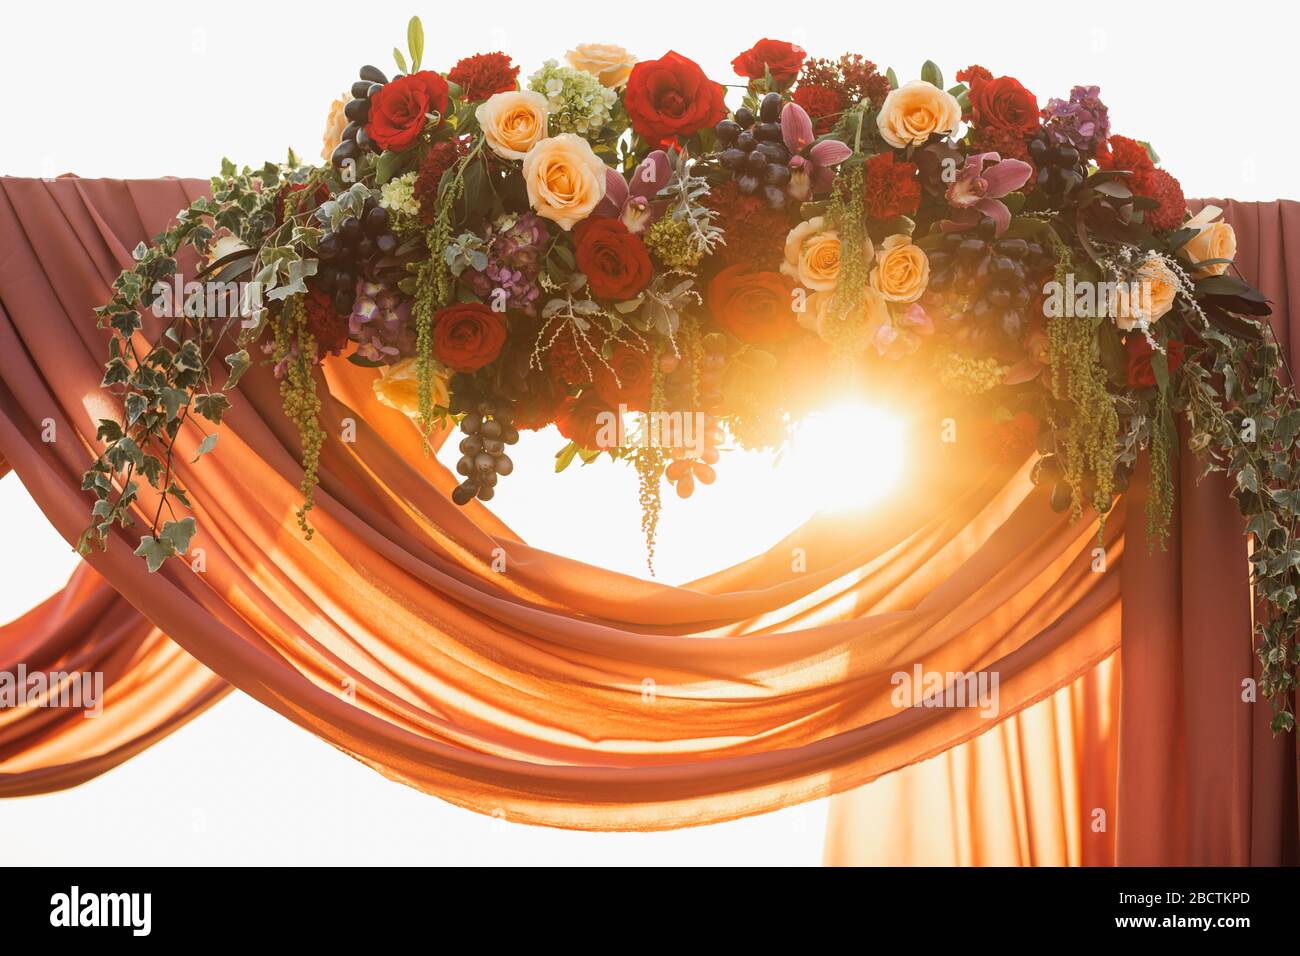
<point>634,204</point>
<point>978,192</point>
<point>810,160</point>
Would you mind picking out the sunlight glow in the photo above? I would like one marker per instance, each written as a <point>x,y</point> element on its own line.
<point>851,453</point>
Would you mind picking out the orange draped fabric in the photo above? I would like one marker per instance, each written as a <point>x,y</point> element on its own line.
<point>555,693</point>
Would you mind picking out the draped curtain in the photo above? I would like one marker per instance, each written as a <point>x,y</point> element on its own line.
<point>566,695</point>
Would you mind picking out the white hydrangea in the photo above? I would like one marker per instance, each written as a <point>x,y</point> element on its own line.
<point>398,195</point>
<point>578,102</point>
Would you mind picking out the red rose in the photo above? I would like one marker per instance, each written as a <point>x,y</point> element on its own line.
<point>779,57</point>
<point>467,336</point>
<point>1140,374</point>
<point>398,111</point>
<point>755,307</point>
<point>671,97</point>
<point>1004,103</point>
<point>625,378</point>
<point>586,420</point>
<point>614,260</point>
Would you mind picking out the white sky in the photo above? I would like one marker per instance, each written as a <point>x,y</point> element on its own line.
<point>169,88</point>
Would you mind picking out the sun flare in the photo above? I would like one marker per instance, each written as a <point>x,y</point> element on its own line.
<point>862,445</point>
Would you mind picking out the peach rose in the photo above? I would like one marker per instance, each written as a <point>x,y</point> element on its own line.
<point>565,179</point>
<point>1213,240</point>
<point>814,310</point>
<point>812,255</point>
<point>902,270</point>
<point>334,126</point>
<point>1147,297</point>
<point>609,63</point>
<point>513,122</point>
<point>398,387</point>
<point>913,111</point>
<point>866,327</point>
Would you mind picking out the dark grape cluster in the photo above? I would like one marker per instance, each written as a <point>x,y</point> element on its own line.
<point>998,277</point>
<point>355,141</point>
<point>487,429</point>
<point>1061,168</point>
<point>352,251</point>
<point>755,151</point>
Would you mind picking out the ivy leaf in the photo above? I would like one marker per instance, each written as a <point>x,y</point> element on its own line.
<point>206,446</point>
<point>211,406</point>
<point>154,551</point>
<point>173,400</point>
<point>238,362</point>
<point>179,533</point>
<point>109,430</point>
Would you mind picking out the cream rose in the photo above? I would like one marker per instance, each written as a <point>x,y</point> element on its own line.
<point>609,63</point>
<point>335,123</point>
<point>398,387</point>
<point>1213,240</point>
<point>565,179</point>
<point>902,270</point>
<point>812,255</point>
<point>913,111</point>
<point>513,122</point>
<point>1147,297</point>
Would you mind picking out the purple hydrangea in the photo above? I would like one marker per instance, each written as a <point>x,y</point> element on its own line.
<point>515,245</point>
<point>1082,121</point>
<point>381,323</point>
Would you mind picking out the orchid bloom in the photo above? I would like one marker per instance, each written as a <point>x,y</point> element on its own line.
<point>978,191</point>
<point>634,204</point>
<point>810,161</point>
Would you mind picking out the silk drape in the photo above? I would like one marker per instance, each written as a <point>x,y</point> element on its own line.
<point>556,693</point>
<point>1185,770</point>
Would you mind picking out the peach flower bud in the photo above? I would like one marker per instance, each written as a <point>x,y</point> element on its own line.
<point>513,122</point>
<point>1147,297</point>
<point>398,387</point>
<point>911,113</point>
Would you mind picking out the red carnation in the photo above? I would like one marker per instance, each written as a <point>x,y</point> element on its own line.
<point>1120,152</point>
<point>467,336</point>
<point>1011,439</point>
<point>327,327</point>
<point>613,259</point>
<point>779,57</point>
<point>1007,143</point>
<point>483,74</point>
<point>570,359</point>
<point>973,74</point>
<point>755,231</point>
<point>1004,103</point>
<point>440,158</point>
<point>821,103</point>
<point>892,187</point>
<point>586,420</point>
<point>671,97</point>
<point>755,307</point>
<point>399,110</point>
<point>1167,191</point>
<point>1139,372</point>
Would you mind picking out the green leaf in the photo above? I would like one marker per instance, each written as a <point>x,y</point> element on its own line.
<point>154,551</point>
<point>173,400</point>
<point>931,73</point>
<point>564,457</point>
<point>415,42</point>
<point>206,446</point>
<point>238,362</point>
<point>211,406</point>
<point>401,60</point>
<point>892,77</point>
<point>178,534</point>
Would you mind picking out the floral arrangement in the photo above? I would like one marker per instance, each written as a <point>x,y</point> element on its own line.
<point>607,246</point>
